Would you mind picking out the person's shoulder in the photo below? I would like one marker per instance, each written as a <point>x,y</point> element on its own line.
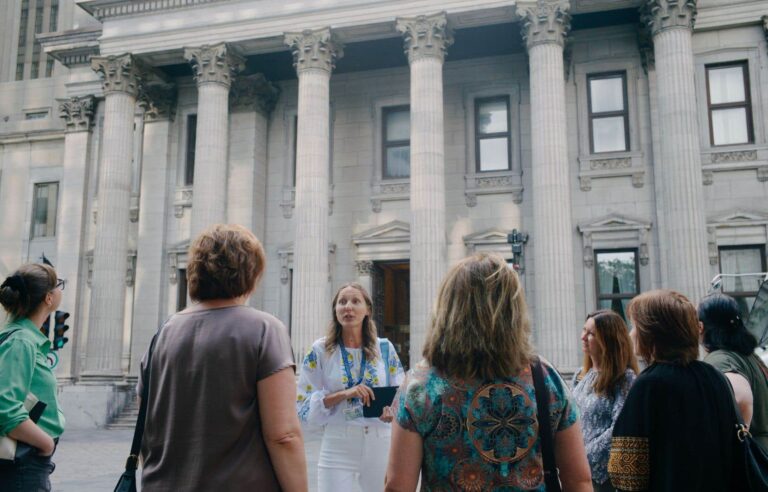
<point>722,357</point>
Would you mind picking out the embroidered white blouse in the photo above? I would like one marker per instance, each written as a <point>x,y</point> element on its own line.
<point>323,373</point>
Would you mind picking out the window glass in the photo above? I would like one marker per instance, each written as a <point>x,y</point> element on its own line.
<point>726,84</point>
<point>609,134</point>
<point>492,116</point>
<point>494,154</point>
<point>729,126</point>
<point>189,169</point>
<point>398,162</point>
<point>616,272</point>
<point>396,142</point>
<point>44,210</point>
<point>398,125</point>
<point>607,94</point>
<point>742,259</point>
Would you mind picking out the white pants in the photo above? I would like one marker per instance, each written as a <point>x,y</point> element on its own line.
<point>353,458</point>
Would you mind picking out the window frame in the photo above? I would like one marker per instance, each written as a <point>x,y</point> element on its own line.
<point>763,266</point>
<point>608,114</point>
<point>487,136</point>
<point>190,153</point>
<point>610,297</point>
<point>386,144</point>
<point>35,187</point>
<point>747,103</point>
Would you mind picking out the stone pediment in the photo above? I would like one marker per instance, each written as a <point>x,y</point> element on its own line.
<point>488,236</point>
<point>395,231</point>
<point>739,217</point>
<point>614,222</point>
<point>180,247</point>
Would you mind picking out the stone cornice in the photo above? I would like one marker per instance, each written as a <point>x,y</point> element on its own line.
<point>545,21</point>
<point>214,64</point>
<point>426,36</point>
<point>158,101</point>
<point>122,73</point>
<point>73,47</point>
<point>660,15</point>
<point>77,113</point>
<point>314,49</point>
<point>105,9</point>
<point>254,92</point>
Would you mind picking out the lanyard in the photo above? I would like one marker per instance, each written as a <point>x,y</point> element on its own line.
<point>348,370</point>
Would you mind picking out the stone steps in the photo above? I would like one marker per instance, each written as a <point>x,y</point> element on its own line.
<point>127,417</point>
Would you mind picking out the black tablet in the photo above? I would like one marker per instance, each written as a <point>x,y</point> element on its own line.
<point>384,397</point>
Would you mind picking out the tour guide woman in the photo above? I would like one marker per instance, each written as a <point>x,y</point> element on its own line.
<point>29,296</point>
<point>336,380</point>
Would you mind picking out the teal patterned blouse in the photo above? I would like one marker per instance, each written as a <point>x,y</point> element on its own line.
<point>480,435</point>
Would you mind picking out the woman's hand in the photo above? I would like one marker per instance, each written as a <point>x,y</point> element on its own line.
<point>363,392</point>
<point>387,415</point>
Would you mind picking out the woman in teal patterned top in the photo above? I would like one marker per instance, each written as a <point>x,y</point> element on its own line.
<point>465,417</point>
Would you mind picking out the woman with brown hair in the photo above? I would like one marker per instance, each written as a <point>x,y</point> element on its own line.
<point>467,415</point>
<point>601,387</point>
<point>676,431</point>
<point>337,377</point>
<point>221,382</point>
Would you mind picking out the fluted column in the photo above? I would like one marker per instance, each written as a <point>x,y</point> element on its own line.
<point>214,68</point>
<point>426,40</point>
<point>314,54</point>
<point>545,25</point>
<point>77,113</point>
<point>122,78</point>
<point>678,182</point>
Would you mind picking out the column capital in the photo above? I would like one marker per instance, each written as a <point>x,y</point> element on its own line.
<point>426,36</point>
<point>121,73</point>
<point>158,101</point>
<point>77,113</point>
<point>765,26</point>
<point>660,15</point>
<point>214,63</point>
<point>254,92</point>
<point>545,21</point>
<point>314,49</point>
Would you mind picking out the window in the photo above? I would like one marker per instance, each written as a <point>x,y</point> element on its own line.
<point>492,135</point>
<point>608,114</point>
<point>295,146</point>
<point>181,289</point>
<point>617,279</point>
<point>36,17</point>
<point>189,166</point>
<point>44,210</point>
<point>742,259</point>
<point>396,138</point>
<point>728,100</point>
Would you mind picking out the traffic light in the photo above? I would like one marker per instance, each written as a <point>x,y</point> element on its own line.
<point>59,328</point>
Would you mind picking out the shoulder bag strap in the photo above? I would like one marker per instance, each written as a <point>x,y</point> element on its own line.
<point>5,335</point>
<point>551,479</point>
<point>384,345</point>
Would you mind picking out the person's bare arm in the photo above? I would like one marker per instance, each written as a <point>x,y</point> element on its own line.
<point>281,429</point>
<point>742,392</point>
<point>572,461</point>
<point>30,433</point>
<point>405,455</point>
<point>360,391</point>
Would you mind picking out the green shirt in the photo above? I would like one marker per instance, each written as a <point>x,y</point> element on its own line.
<point>24,369</point>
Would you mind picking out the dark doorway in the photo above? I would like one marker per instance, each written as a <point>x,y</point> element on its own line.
<point>392,305</point>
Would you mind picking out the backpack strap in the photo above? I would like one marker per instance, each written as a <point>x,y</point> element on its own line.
<point>551,474</point>
<point>7,334</point>
<point>384,346</point>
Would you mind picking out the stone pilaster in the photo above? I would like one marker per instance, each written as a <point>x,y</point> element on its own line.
<point>254,93</point>
<point>365,270</point>
<point>426,40</point>
<point>314,54</point>
<point>545,25</point>
<point>123,76</point>
<point>214,67</point>
<point>678,182</point>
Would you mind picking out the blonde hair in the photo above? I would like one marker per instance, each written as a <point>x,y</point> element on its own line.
<point>370,339</point>
<point>480,327</point>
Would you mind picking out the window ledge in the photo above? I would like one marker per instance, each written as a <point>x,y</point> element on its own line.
<point>493,183</point>
<point>389,190</point>
<point>611,165</point>
<point>734,158</point>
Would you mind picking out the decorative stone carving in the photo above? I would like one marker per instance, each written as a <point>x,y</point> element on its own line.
<point>123,73</point>
<point>285,256</point>
<point>659,15</point>
<point>736,156</point>
<point>585,183</point>
<point>494,181</point>
<point>395,188</point>
<point>605,164</point>
<point>471,199</point>
<point>130,272</point>
<point>133,209</point>
<point>376,205</point>
<point>712,252</point>
<point>77,113</point>
<point>707,178</point>
<point>762,174</point>
<point>645,47</point>
<point>545,21</point>
<point>182,200</point>
<point>589,256</point>
<point>638,180</point>
<point>425,35</point>
<point>254,92</point>
<point>364,268</point>
<point>216,64</point>
<point>314,49</point>
<point>158,101</point>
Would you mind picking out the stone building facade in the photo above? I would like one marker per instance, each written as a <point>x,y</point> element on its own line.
<point>377,142</point>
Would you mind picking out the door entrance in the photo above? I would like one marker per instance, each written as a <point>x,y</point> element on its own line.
<point>392,305</point>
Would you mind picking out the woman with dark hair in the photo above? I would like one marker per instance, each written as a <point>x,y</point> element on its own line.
<point>601,387</point>
<point>221,382</point>
<point>676,430</point>
<point>29,296</point>
<point>336,380</point>
<point>467,416</point>
<point>731,350</point>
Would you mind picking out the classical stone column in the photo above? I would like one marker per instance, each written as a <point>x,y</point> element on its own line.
<point>314,54</point>
<point>545,25</point>
<point>214,68</point>
<point>426,41</point>
<point>159,103</point>
<point>678,180</point>
<point>77,113</point>
<point>122,78</point>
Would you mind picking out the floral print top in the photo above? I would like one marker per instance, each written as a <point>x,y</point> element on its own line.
<point>323,373</point>
<point>480,435</point>
<point>598,414</point>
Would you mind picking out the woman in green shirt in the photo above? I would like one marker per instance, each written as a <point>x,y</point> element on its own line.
<point>29,296</point>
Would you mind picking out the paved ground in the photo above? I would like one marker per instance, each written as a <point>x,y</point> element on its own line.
<point>92,461</point>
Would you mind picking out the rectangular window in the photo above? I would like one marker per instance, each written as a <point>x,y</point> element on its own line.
<point>295,146</point>
<point>728,100</point>
<point>741,260</point>
<point>181,289</point>
<point>608,113</point>
<point>492,135</point>
<point>616,278</point>
<point>44,210</point>
<point>396,139</point>
<point>189,165</point>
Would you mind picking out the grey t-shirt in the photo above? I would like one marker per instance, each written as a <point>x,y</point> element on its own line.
<point>203,429</point>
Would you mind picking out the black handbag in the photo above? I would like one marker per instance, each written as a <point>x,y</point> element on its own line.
<point>551,473</point>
